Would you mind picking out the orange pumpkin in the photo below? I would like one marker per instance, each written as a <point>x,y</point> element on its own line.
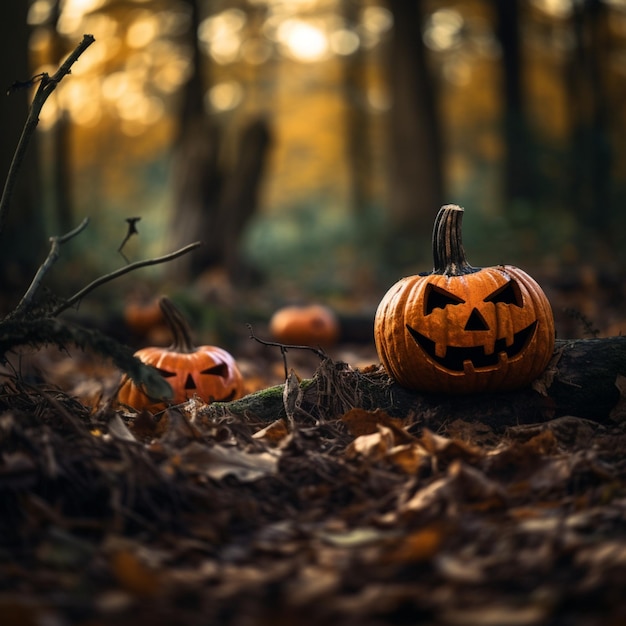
<point>462,329</point>
<point>309,325</point>
<point>209,372</point>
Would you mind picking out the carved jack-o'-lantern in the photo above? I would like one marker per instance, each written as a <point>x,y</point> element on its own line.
<point>206,371</point>
<point>461,329</point>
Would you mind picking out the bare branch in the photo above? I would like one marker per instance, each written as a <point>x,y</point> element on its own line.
<point>123,270</point>
<point>47,85</point>
<point>52,257</point>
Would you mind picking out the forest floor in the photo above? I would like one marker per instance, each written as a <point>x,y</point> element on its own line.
<point>351,517</point>
<point>357,518</point>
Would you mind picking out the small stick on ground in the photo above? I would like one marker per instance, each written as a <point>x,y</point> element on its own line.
<point>284,348</point>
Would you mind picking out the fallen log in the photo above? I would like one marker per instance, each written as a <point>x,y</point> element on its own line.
<point>586,378</point>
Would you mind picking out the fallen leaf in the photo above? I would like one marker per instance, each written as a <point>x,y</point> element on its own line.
<point>432,499</point>
<point>373,447</point>
<point>448,450</point>
<point>409,457</point>
<point>417,547</point>
<point>462,484</point>
<point>362,422</point>
<point>460,570</point>
<point>473,485</point>
<point>119,430</point>
<point>218,461</point>
<point>273,433</point>
<point>178,429</point>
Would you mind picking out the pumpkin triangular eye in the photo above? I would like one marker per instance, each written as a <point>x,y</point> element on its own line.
<point>165,373</point>
<point>509,293</point>
<point>220,370</point>
<point>438,298</point>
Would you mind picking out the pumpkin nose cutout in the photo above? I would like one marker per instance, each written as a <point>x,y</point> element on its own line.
<point>476,321</point>
<point>189,382</point>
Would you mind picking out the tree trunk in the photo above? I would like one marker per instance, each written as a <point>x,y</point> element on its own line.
<point>415,151</point>
<point>22,244</point>
<point>518,174</point>
<point>213,201</point>
<point>195,177</point>
<point>590,172</point>
<point>357,121</point>
<point>239,198</point>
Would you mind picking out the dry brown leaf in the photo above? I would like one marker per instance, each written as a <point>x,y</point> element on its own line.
<point>273,433</point>
<point>473,485</point>
<point>409,457</point>
<point>416,547</point>
<point>362,422</point>
<point>462,484</point>
<point>447,450</point>
<point>460,570</point>
<point>374,447</point>
<point>432,499</point>
<point>178,428</point>
<point>218,461</point>
<point>119,430</point>
<point>521,458</point>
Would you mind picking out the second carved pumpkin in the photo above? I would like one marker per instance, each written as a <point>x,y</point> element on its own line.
<point>462,329</point>
<point>209,372</point>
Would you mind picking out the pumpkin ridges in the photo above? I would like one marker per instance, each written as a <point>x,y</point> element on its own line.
<point>441,324</point>
<point>182,360</point>
<point>544,333</point>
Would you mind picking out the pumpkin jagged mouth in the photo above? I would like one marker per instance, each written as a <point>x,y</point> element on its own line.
<point>456,357</point>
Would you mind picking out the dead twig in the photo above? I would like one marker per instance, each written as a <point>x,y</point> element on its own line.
<point>132,230</point>
<point>285,347</point>
<point>123,270</point>
<point>52,257</point>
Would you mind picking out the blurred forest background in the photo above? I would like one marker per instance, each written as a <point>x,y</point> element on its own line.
<point>310,143</point>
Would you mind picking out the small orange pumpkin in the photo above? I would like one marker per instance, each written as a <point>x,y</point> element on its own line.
<point>209,372</point>
<point>463,329</point>
<point>310,325</point>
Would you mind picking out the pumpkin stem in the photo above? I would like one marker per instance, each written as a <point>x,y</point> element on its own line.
<point>178,326</point>
<point>448,253</point>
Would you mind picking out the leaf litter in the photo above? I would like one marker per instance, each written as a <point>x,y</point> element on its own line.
<point>337,515</point>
